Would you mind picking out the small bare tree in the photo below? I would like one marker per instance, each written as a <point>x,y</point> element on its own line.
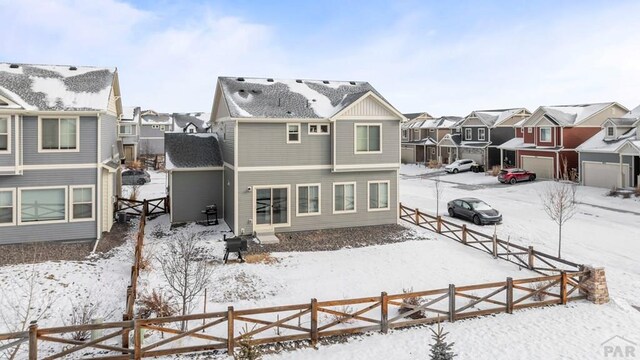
<point>438,190</point>
<point>559,202</point>
<point>186,274</point>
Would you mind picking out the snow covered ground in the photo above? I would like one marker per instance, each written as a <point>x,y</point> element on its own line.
<point>155,189</point>
<point>603,235</point>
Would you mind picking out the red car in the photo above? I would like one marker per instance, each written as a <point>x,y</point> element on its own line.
<point>515,175</point>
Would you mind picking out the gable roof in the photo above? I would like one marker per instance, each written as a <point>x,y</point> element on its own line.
<point>199,119</point>
<point>290,98</point>
<point>572,114</point>
<point>494,117</point>
<point>150,117</point>
<point>57,87</point>
<point>411,116</point>
<point>184,150</point>
<point>599,143</point>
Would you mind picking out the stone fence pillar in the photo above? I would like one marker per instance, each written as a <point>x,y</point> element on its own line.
<point>596,285</point>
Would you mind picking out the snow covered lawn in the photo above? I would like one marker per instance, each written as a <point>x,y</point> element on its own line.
<point>157,188</point>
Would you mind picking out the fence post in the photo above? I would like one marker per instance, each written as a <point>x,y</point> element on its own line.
<point>145,207</point>
<point>531,257</point>
<point>509,295</point>
<point>384,312</point>
<point>167,205</point>
<point>563,288</point>
<point>494,241</point>
<point>137,340</point>
<point>399,210</point>
<point>125,333</point>
<point>439,225</point>
<point>33,340</point>
<point>464,234</point>
<point>314,322</point>
<point>417,216</point>
<point>230,331</point>
<point>452,303</point>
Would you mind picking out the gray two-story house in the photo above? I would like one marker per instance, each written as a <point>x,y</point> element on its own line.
<point>129,132</point>
<point>59,156</point>
<point>302,155</point>
<point>153,126</point>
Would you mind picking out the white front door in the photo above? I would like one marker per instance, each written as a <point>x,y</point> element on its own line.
<point>271,207</point>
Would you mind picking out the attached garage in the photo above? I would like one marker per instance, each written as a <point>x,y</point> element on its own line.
<point>408,154</point>
<point>604,175</point>
<point>475,154</point>
<point>542,166</point>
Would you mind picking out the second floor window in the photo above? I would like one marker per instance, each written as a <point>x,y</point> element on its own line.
<point>59,134</point>
<point>610,132</point>
<point>127,129</point>
<point>481,133</point>
<point>293,133</point>
<point>368,138</point>
<point>315,129</point>
<point>467,134</point>
<point>545,134</point>
<point>405,134</point>
<point>4,134</point>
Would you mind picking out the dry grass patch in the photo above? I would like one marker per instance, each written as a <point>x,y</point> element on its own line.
<point>263,258</point>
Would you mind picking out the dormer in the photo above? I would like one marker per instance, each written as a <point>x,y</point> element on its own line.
<point>616,127</point>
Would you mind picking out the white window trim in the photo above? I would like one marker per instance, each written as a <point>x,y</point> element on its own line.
<point>93,203</point>
<point>8,151</point>
<point>131,126</point>
<point>550,134</point>
<point>355,138</point>
<point>369,195</point>
<point>161,127</point>
<point>482,131</point>
<point>355,198</point>
<point>286,130</point>
<point>467,134</point>
<point>66,205</point>
<point>319,127</point>
<point>255,192</point>
<point>298,186</point>
<point>405,134</point>
<point>41,150</point>
<point>14,207</point>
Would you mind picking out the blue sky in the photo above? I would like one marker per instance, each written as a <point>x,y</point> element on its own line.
<point>443,57</point>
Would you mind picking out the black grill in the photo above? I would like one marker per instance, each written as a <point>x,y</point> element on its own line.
<point>234,245</point>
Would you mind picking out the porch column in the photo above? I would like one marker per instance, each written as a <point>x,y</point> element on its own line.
<point>501,159</point>
<point>621,174</point>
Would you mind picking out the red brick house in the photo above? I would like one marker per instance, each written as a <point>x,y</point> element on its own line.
<point>551,135</point>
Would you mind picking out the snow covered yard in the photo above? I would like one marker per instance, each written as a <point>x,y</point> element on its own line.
<point>157,188</point>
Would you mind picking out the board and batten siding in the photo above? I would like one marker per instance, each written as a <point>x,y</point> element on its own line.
<point>345,143</point>
<point>193,191</point>
<point>326,220</point>
<point>9,159</point>
<point>265,144</point>
<point>88,141</point>
<point>368,107</point>
<point>228,190</point>
<point>69,231</point>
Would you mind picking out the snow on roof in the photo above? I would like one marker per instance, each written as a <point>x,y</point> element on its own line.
<point>199,119</point>
<point>634,113</point>
<point>474,144</point>
<point>128,112</point>
<point>598,142</point>
<point>520,123</point>
<point>515,143</point>
<point>56,87</point>
<point>494,117</point>
<point>288,98</point>
<point>152,118</point>
<point>184,150</point>
<point>573,114</point>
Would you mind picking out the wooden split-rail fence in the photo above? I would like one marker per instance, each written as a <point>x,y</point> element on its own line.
<point>523,256</point>
<point>136,208</point>
<point>223,331</point>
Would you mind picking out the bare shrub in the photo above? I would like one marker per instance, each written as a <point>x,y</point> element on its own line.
<point>559,202</point>
<point>438,190</point>
<point>263,258</point>
<point>613,191</point>
<point>247,351</point>
<point>541,295</point>
<point>495,170</point>
<point>433,164</point>
<point>134,192</point>
<point>83,314</point>
<point>136,165</point>
<point>156,304</point>
<point>346,309</point>
<point>409,303</point>
<point>626,195</point>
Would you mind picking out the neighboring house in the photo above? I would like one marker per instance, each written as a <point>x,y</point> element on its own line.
<point>425,135</point>
<point>191,123</point>
<point>129,132</point>
<point>611,158</point>
<point>482,131</point>
<point>59,154</point>
<point>304,155</point>
<point>153,126</point>
<point>552,134</point>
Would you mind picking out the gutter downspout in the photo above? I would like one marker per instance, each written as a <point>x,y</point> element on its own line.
<point>98,203</point>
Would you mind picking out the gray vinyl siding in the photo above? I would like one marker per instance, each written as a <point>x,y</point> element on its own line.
<point>108,135</point>
<point>226,138</point>
<point>228,196</point>
<point>192,191</point>
<point>88,141</point>
<point>500,135</point>
<point>10,159</point>
<point>50,232</point>
<point>265,144</point>
<point>344,138</point>
<point>148,131</point>
<point>327,219</point>
<point>151,146</point>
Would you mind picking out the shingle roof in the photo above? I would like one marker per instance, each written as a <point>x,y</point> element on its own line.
<point>199,119</point>
<point>572,114</point>
<point>288,98</point>
<point>56,87</point>
<point>183,150</point>
<point>495,117</point>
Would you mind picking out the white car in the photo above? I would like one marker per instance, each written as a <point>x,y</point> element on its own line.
<point>459,165</point>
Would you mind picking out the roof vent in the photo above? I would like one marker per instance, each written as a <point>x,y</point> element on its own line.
<point>352,82</point>
<point>256,91</point>
<point>325,81</point>
<point>299,81</point>
<point>14,66</point>
<point>269,80</point>
<point>73,68</point>
<point>289,112</point>
<point>314,100</point>
<point>240,79</point>
<point>241,90</point>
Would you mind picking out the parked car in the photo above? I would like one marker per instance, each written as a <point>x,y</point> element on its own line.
<point>475,210</point>
<point>514,175</point>
<point>135,177</point>
<point>459,165</point>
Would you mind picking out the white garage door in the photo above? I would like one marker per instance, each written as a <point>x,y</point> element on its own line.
<point>605,175</point>
<point>476,155</point>
<point>408,155</point>
<point>542,166</point>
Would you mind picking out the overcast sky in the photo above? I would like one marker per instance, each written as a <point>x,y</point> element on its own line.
<point>443,57</point>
